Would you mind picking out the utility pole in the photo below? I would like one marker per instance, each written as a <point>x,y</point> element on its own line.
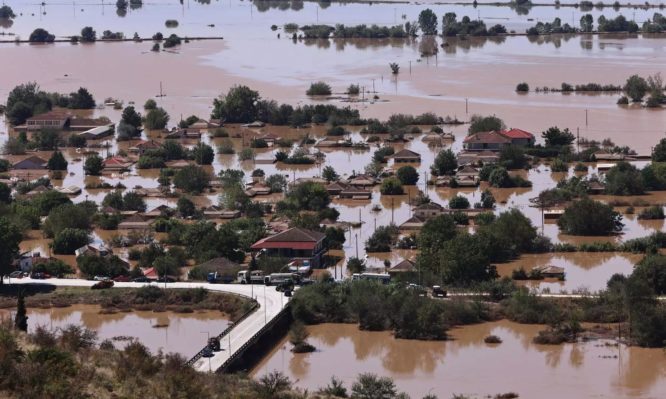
<point>392,209</point>
<point>356,245</point>
<point>410,67</point>
<point>586,118</point>
<point>466,106</point>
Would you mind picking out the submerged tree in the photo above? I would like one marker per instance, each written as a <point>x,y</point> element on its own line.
<point>21,319</point>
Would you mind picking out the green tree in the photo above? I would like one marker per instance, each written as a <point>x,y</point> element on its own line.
<point>93,165</point>
<point>57,162</point>
<point>49,200</point>
<point>192,179</point>
<point>331,175</point>
<point>458,202</point>
<point>109,266</point>
<point>513,157</point>
<point>66,216</point>
<point>391,186</point>
<point>186,207</point>
<point>587,217</point>
<point>428,22</point>
<point>5,194</point>
<point>81,99</point>
<point>156,119</point>
<point>21,319</point>
<point>635,88</point>
<point>586,23</point>
<point>133,202</point>
<point>371,386</point>
<point>319,89</point>
<point>355,265</point>
<point>40,35</point>
<point>68,240</point>
<point>150,104</point>
<point>436,231</point>
<point>238,106</point>
<point>203,154</point>
<point>277,183</point>
<point>624,179</point>
<point>131,117</point>
<point>24,101</point>
<point>659,151</point>
<point>88,35</point>
<point>6,12</point>
<point>308,196</point>
<point>556,137</point>
<point>125,131</point>
<point>407,175</point>
<point>11,237</point>
<point>480,123</point>
<point>500,178</point>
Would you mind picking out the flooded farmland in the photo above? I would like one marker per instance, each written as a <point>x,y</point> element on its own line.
<point>468,366</point>
<point>183,333</point>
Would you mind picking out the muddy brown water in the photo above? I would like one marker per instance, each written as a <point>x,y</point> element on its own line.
<point>183,333</point>
<point>468,366</point>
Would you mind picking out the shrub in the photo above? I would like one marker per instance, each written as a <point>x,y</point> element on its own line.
<point>391,186</point>
<point>522,87</point>
<point>590,218</point>
<point>407,175</point>
<point>319,89</point>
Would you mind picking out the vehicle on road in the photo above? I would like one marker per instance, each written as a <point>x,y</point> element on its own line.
<point>142,279</point>
<point>121,279</point>
<point>288,293</point>
<point>101,285</point>
<point>217,278</point>
<point>438,292</point>
<point>250,277</point>
<point>100,278</point>
<point>378,277</point>
<point>166,279</point>
<point>207,352</point>
<point>279,278</point>
<point>17,274</point>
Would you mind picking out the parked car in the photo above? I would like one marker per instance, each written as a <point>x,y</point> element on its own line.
<point>101,285</point>
<point>207,352</point>
<point>17,274</point>
<point>285,286</point>
<point>167,278</point>
<point>438,292</point>
<point>121,279</point>
<point>100,278</point>
<point>38,276</point>
<point>142,279</point>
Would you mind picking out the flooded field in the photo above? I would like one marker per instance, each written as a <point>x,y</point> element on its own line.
<point>184,333</point>
<point>584,271</point>
<point>468,366</point>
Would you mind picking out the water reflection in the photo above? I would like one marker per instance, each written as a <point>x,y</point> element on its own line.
<point>179,333</point>
<point>444,368</point>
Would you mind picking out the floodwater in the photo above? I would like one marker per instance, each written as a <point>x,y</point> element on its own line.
<point>481,73</point>
<point>585,271</point>
<point>468,366</point>
<point>183,333</point>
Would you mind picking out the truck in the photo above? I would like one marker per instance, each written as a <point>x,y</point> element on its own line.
<point>378,277</point>
<point>217,278</point>
<point>280,278</point>
<point>250,277</point>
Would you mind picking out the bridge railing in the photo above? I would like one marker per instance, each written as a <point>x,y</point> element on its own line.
<point>239,352</point>
<point>226,331</point>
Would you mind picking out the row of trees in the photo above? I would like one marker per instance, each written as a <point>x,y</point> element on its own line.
<point>28,99</point>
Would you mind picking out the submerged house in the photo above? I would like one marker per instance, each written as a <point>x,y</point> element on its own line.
<point>495,141</point>
<point>30,163</point>
<point>294,244</point>
<point>406,156</point>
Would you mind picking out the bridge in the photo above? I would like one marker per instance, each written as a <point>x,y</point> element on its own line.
<point>235,340</point>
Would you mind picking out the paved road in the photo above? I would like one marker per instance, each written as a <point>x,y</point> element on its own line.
<point>270,302</point>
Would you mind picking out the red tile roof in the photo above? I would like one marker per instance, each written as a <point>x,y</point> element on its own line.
<point>487,137</point>
<point>294,238</point>
<point>517,134</point>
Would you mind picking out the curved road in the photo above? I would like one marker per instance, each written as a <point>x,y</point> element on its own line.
<point>270,301</point>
